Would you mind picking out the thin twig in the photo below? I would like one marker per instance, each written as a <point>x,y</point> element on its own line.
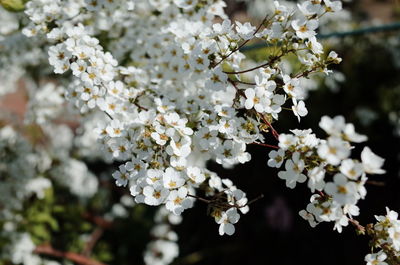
<point>249,70</point>
<point>98,220</point>
<point>266,145</point>
<point>243,44</point>
<point>356,224</point>
<point>199,198</point>
<point>376,183</point>
<point>253,200</point>
<point>94,238</point>
<point>273,131</point>
<point>74,257</point>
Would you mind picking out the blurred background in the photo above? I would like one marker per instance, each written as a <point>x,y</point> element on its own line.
<point>365,89</point>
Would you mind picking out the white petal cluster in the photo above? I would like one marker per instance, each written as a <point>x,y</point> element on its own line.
<point>173,106</point>
<point>19,172</point>
<point>385,234</point>
<point>338,179</point>
<point>163,249</point>
<point>161,89</point>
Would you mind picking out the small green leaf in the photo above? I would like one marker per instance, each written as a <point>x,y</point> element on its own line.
<point>13,5</point>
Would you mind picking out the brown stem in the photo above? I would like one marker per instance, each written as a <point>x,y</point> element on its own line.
<point>376,183</point>
<point>273,131</point>
<point>253,200</point>
<point>74,257</point>
<point>140,107</point>
<point>272,61</point>
<point>199,198</point>
<point>95,236</point>
<point>356,224</point>
<point>251,69</point>
<point>98,220</point>
<point>266,145</point>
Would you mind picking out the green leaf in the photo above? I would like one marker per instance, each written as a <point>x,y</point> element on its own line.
<point>13,5</point>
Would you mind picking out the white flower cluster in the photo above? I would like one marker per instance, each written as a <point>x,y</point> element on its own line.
<point>164,248</point>
<point>20,249</point>
<point>173,106</point>
<point>385,238</point>
<point>19,170</point>
<point>162,89</point>
<point>17,52</point>
<point>337,179</point>
<point>45,103</point>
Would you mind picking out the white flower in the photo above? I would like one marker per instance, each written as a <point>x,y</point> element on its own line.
<point>305,29</point>
<point>122,176</point>
<point>376,259</point>
<point>115,129</point>
<point>314,45</point>
<point>78,67</point>
<point>333,126</point>
<point>227,221</point>
<point>245,30</point>
<point>308,217</point>
<point>292,87</point>
<point>334,6</point>
<point>207,138</point>
<point>309,8</point>
<point>299,109</point>
<point>394,235</point>
<point>256,98</point>
<point>333,56</point>
<point>371,162</point>
<point>179,148</point>
<point>154,176</point>
<point>173,179</point>
<point>351,135</point>
<point>342,190</point>
<point>334,150</point>
<point>22,250</point>
<point>185,4</point>
<point>276,158</point>
<point>316,178</point>
<point>224,28</point>
<point>155,195</point>
<point>351,168</point>
<point>293,174</point>
<point>195,175</point>
<point>178,201</point>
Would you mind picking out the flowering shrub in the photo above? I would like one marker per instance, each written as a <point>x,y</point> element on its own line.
<point>160,88</point>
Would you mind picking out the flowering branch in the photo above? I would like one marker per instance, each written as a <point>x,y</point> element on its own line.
<point>243,44</point>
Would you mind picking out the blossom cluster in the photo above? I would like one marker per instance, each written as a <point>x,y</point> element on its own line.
<point>20,171</point>
<point>164,248</point>
<point>162,88</point>
<point>385,235</point>
<point>181,107</point>
<point>337,180</point>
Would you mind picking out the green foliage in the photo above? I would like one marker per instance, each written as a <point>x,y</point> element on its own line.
<point>39,221</point>
<point>14,5</point>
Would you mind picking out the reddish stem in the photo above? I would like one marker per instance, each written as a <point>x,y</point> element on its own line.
<point>266,145</point>
<point>94,238</point>
<point>98,220</point>
<point>74,257</point>
<point>273,131</point>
